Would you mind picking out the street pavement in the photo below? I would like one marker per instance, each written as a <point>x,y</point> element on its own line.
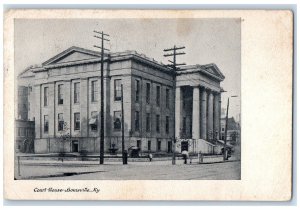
<point>155,170</point>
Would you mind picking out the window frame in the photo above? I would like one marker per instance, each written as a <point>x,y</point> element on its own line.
<point>157,123</point>
<point>158,95</point>
<point>116,113</point>
<point>137,90</point>
<point>46,95</point>
<point>60,118</point>
<point>95,126</point>
<point>137,121</point>
<point>117,90</point>
<point>46,123</point>
<point>148,92</point>
<point>94,86</point>
<point>60,94</point>
<point>167,98</point>
<point>76,93</point>
<point>167,128</point>
<point>148,122</point>
<point>76,126</point>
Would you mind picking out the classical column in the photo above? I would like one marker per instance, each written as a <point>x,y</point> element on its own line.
<point>210,117</point>
<point>178,104</point>
<point>203,116</point>
<point>220,102</point>
<point>216,114</point>
<point>196,113</point>
<point>39,118</point>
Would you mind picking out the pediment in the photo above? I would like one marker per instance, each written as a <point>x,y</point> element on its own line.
<point>210,70</point>
<point>75,56</point>
<point>213,69</point>
<point>71,55</point>
<point>26,73</point>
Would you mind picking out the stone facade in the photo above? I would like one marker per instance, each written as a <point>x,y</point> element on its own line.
<point>66,102</point>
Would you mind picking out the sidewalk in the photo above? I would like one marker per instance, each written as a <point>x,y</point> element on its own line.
<point>52,159</point>
<point>31,169</point>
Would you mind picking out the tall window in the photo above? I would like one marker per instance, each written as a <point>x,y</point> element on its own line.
<point>94,121</point>
<point>157,123</point>
<point>149,145</point>
<point>117,120</point>
<point>157,95</point>
<point>46,124</point>
<point>45,96</point>
<point>22,132</point>
<point>148,120</point>
<point>117,88</point>
<point>60,94</point>
<point>60,122</point>
<point>76,92</point>
<point>94,91</point>
<point>137,90</point>
<point>167,98</point>
<point>148,92</point>
<point>76,121</point>
<point>167,124</point>
<point>137,121</point>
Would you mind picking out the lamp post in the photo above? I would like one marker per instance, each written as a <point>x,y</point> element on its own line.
<point>226,127</point>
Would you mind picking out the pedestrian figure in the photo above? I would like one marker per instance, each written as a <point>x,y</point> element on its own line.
<point>190,160</point>
<point>200,157</point>
<point>185,156</point>
<point>150,157</point>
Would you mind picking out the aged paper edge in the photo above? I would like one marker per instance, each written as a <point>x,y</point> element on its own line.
<point>267,50</point>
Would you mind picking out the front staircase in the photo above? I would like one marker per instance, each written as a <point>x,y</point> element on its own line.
<point>201,146</point>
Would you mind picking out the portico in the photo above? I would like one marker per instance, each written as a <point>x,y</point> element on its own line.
<point>198,105</point>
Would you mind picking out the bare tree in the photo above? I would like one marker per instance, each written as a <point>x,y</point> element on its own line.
<point>64,136</point>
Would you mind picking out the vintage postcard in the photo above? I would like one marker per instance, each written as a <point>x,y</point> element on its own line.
<point>148,105</point>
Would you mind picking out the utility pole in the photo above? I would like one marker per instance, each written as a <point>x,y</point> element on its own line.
<point>174,66</point>
<point>225,139</point>
<point>124,155</point>
<point>102,93</point>
<point>226,127</point>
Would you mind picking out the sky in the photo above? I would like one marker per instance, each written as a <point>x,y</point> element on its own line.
<point>206,40</point>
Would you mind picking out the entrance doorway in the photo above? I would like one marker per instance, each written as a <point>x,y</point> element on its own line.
<point>75,146</point>
<point>184,146</point>
<point>139,144</point>
<point>169,146</point>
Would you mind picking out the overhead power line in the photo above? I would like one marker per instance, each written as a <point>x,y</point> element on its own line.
<point>172,52</point>
<point>101,37</point>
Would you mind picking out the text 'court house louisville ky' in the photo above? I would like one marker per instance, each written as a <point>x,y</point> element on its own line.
<point>63,96</point>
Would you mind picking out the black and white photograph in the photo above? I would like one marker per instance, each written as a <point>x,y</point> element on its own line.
<point>128,99</point>
<point>143,105</point>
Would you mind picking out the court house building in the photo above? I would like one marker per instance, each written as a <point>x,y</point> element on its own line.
<point>64,94</point>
